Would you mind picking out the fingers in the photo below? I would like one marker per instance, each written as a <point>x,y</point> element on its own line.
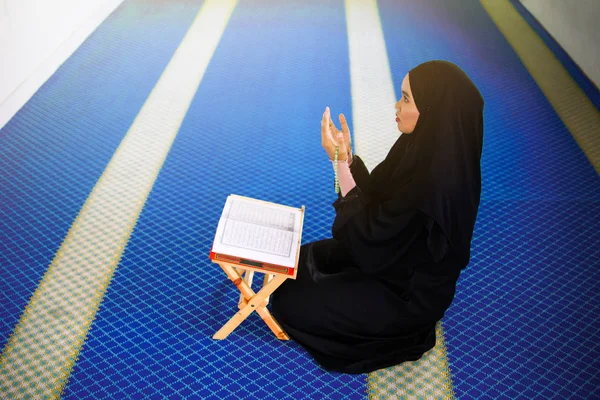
<point>327,140</point>
<point>345,128</point>
<point>332,126</point>
<point>346,133</point>
<point>344,124</point>
<point>324,131</point>
<point>331,129</point>
<point>327,123</point>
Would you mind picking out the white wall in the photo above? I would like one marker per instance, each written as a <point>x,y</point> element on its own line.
<point>575,25</point>
<point>36,37</point>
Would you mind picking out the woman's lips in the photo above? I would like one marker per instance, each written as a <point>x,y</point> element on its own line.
<point>397,119</point>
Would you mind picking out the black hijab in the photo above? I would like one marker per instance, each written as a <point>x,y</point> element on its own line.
<point>436,168</point>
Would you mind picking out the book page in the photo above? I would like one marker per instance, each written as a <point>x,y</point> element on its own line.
<point>261,215</point>
<point>257,237</point>
<point>259,231</point>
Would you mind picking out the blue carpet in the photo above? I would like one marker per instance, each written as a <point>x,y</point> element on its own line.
<point>525,320</point>
<point>53,151</point>
<point>153,333</point>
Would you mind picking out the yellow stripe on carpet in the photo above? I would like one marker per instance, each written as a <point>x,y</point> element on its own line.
<point>426,378</point>
<point>373,94</point>
<point>569,101</point>
<point>371,85</point>
<point>44,347</point>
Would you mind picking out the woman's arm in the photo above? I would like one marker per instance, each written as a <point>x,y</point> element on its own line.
<point>350,172</point>
<point>360,173</point>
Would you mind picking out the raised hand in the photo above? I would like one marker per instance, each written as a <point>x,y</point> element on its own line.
<point>332,137</point>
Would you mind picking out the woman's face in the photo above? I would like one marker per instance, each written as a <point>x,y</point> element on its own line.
<point>407,113</point>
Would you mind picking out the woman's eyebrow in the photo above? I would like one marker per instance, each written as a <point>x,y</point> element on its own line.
<point>406,94</point>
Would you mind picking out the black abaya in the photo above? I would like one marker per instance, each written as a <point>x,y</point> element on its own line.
<point>370,297</point>
<point>358,317</point>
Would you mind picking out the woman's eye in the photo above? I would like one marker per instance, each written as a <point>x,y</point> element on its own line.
<point>405,99</point>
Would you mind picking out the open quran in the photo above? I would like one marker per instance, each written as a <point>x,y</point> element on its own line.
<point>258,234</point>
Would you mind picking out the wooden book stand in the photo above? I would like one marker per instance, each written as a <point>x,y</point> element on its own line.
<point>250,301</point>
<point>240,270</point>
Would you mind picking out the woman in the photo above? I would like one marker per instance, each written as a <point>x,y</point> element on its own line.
<point>370,297</point>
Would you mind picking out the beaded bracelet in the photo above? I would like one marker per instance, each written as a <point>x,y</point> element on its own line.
<point>335,169</point>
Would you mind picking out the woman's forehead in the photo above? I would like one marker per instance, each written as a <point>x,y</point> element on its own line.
<point>406,84</point>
